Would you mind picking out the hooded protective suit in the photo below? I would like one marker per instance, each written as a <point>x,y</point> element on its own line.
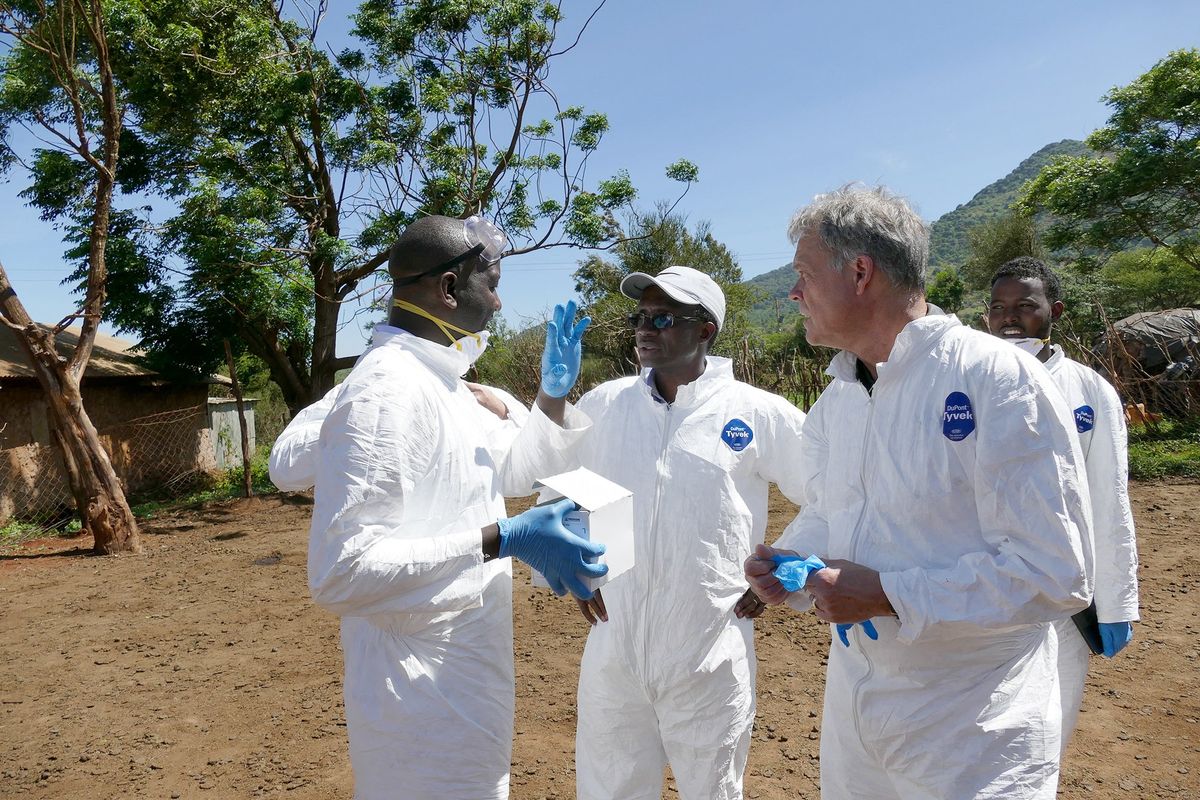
<point>670,676</point>
<point>1100,422</point>
<point>405,480</point>
<point>959,478</point>
<point>293,461</point>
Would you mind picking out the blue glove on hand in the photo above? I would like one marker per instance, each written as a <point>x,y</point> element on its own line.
<point>539,538</point>
<point>1115,635</point>
<point>563,353</point>
<point>793,572</point>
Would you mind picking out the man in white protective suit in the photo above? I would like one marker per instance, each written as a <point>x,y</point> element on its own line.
<point>1026,301</point>
<point>668,670</point>
<point>292,464</point>
<point>946,494</point>
<point>409,542</point>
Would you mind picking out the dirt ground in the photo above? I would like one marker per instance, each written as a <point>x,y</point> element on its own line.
<point>202,670</point>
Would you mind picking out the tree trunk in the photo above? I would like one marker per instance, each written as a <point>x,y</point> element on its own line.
<point>99,499</point>
<point>247,478</point>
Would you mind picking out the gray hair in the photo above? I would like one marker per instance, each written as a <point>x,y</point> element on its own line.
<point>871,221</point>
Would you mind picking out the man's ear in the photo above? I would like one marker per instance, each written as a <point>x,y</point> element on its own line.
<point>448,289</point>
<point>864,272</point>
<point>1056,310</point>
<point>707,331</point>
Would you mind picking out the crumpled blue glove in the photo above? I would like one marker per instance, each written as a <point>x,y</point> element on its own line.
<point>1115,635</point>
<point>539,538</point>
<point>793,571</point>
<point>563,352</point>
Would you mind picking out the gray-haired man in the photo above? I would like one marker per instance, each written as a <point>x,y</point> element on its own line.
<point>946,494</point>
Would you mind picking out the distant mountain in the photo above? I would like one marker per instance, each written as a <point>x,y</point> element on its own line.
<point>948,239</point>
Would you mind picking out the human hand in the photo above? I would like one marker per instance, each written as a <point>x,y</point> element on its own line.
<point>749,606</point>
<point>563,352</point>
<point>593,609</point>
<point>1115,635</point>
<point>845,592</point>
<point>485,398</point>
<point>539,538</point>
<point>760,574</point>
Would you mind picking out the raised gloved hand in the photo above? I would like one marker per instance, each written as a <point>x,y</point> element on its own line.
<point>539,538</point>
<point>1115,635</point>
<point>793,572</point>
<point>563,352</point>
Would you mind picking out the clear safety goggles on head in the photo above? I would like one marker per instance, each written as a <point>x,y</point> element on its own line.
<point>482,238</point>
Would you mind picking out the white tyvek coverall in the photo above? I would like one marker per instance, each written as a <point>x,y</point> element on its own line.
<point>405,481</point>
<point>293,461</point>
<point>982,540</point>
<point>1100,422</point>
<point>670,676</point>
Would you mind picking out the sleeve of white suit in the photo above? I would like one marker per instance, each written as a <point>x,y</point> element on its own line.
<point>1112,518</point>
<point>808,534</point>
<point>1030,496</point>
<point>366,554</point>
<point>781,460</point>
<point>293,461</point>
<point>541,449</point>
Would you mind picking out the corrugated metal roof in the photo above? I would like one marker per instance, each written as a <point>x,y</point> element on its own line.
<point>111,357</point>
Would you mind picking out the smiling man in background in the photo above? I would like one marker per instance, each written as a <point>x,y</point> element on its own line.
<point>1026,301</point>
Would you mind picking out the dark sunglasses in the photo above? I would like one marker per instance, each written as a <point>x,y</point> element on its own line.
<point>660,321</point>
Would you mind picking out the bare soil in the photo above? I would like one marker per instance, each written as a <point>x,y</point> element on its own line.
<point>202,670</point>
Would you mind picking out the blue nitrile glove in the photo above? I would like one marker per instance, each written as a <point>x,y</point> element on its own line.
<point>1115,635</point>
<point>868,628</point>
<point>563,352</point>
<point>793,571</point>
<point>538,538</point>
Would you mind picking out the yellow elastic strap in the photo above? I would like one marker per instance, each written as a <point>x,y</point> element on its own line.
<point>444,326</point>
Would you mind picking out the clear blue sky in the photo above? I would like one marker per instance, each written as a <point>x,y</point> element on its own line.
<point>780,101</point>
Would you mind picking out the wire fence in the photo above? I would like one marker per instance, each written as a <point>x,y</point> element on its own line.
<point>160,455</point>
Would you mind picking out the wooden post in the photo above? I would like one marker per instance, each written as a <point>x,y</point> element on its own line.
<point>247,478</point>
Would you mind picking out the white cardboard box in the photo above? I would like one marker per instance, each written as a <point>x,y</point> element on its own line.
<point>605,515</point>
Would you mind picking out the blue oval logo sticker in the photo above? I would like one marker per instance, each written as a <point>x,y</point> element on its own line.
<point>737,435</point>
<point>1085,419</point>
<point>958,419</point>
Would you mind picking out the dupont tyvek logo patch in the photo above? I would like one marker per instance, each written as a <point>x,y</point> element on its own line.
<point>1085,419</point>
<point>737,435</point>
<point>958,419</point>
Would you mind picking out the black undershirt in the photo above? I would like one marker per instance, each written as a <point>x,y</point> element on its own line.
<point>864,375</point>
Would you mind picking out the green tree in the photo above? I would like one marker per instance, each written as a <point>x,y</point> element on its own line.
<point>293,170</point>
<point>1148,279</point>
<point>57,76</point>
<point>655,241</point>
<point>1144,186</point>
<point>945,289</point>
<point>996,241</point>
